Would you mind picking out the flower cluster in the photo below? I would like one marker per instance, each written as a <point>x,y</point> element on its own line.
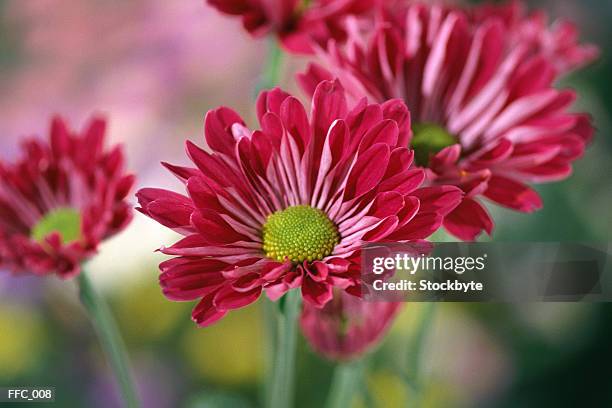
<point>290,205</point>
<point>418,112</point>
<point>61,199</point>
<point>480,87</point>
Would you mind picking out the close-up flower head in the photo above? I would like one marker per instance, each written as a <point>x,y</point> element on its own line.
<point>297,23</point>
<point>480,84</point>
<point>290,205</point>
<point>60,199</point>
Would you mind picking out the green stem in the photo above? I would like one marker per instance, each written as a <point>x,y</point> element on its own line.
<point>272,69</point>
<point>269,321</point>
<point>415,350</point>
<point>109,337</point>
<point>284,365</point>
<point>347,377</point>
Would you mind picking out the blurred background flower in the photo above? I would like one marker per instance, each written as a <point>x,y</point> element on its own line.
<point>347,326</point>
<point>295,22</point>
<point>155,67</point>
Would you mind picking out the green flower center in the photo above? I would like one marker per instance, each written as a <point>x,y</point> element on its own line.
<point>66,221</point>
<point>427,140</point>
<point>299,233</point>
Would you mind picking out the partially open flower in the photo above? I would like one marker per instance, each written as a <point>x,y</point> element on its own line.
<point>60,200</point>
<point>347,326</point>
<point>480,87</point>
<point>296,22</point>
<point>291,204</point>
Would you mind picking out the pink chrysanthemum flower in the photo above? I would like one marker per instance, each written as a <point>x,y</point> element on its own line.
<point>347,327</point>
<point>60,200</point>
<point>296,22</point>
<point>479,85</point>
<point>291,204</point>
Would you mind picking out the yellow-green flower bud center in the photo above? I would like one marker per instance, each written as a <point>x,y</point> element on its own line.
<point>427,140</point>
<point>65,221</point>
<point>299,233</point>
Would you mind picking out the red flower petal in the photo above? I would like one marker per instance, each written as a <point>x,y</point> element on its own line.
<point>513,194</point>
<point>217,125</point>
<point>420,226</point>
<point>316,293</point>
<point>228,298</point>
<point>468,220</point>
<point>440,198</point>
<point>364,176</point>
<point>314,75</point>
<point>205,313</point>
<point>170,209</point>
